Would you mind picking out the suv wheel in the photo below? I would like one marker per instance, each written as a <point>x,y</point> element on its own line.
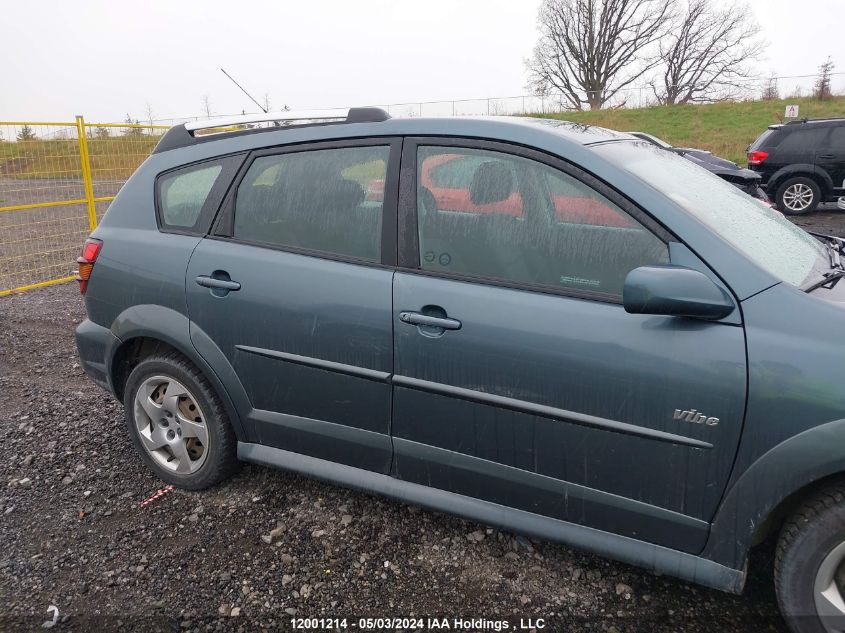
<point>810,564</point>
<point>798,195</point>
<point>178,424</point>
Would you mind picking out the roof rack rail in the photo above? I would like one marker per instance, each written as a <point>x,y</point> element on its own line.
<point>350,115</point>
<point>821,120</point>
<point>184,135</point>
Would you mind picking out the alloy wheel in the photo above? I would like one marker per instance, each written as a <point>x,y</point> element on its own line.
<point>797,197</point>
<point>828,590</point>
<point>171,424</point>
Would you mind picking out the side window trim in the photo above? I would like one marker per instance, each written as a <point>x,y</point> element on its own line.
<point>408,242</point>
<point>230,165</point>
<point>223,226</point>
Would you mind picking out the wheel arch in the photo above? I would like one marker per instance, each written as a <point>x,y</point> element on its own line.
<point>801,170</point>
<point>783,510</point>
<point>144,330</point>
<point>762,496</point>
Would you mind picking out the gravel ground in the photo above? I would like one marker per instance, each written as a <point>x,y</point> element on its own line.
<point>75,537</point>
<point>827,219</point>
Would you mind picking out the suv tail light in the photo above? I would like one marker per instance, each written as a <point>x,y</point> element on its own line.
<point>90,251</point>
<point>757,157</point>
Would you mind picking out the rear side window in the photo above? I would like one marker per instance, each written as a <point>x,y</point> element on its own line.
<point>327,200</point>
<point>761,140</point>
<point>512,219</point>
<point>183,193</point>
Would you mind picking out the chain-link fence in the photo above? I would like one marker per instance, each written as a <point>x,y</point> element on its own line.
<point>641,95</point>
<point>56,180</point>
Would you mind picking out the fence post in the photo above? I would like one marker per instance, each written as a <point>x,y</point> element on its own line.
<point>87,180</point>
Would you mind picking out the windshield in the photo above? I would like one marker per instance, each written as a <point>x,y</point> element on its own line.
<point>760,232</point>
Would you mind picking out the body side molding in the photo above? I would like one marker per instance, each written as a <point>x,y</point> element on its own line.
<point>328,365</point>
<point>504,402</point>
<point>547,412</point>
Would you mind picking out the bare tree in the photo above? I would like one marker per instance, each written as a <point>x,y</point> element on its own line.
<point>822,89</point>
<point>206,106</point>
<point>149,115</point>
<point>590,50</point>
<point>708,52</point>
<point>770,90</point>
<point>796,93</point>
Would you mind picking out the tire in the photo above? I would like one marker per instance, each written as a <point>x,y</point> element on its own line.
<point>797,196</point>
<point>179,428</point>
<point>811,545</point>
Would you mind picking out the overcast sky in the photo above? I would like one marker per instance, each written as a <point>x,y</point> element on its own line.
<point>104,59</point>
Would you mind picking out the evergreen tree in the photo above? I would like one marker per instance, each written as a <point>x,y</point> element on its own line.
<point>822,89</point>
<point>26,133</point>
<point>132,131</point>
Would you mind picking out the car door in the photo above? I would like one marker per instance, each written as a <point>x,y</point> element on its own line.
<point>519,377</point>
<point>830,156</point>
<point>294,290</point>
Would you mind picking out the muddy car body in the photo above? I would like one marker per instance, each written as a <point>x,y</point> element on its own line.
<point>663,390</point>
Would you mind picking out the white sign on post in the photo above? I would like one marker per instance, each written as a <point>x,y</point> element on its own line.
<point>791,112</point>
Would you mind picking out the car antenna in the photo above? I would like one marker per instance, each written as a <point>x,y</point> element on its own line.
<point>263,109</point>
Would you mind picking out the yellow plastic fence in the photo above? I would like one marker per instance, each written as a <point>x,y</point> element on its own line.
<point>56,181</point>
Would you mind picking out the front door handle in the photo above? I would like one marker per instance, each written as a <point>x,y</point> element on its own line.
<point>211,282</point>
<point>827,156</point>
<point>415,318</point>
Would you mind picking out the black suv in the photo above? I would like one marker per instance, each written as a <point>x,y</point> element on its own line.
<point>802,163</point>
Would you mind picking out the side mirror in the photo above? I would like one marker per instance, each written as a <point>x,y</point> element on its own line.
<point>674,291</point>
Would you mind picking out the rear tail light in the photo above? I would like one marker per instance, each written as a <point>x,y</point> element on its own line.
<point>757,157</point>
<point>90,251</point>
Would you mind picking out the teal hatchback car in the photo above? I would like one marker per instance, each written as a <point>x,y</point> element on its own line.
<point>553,328</point>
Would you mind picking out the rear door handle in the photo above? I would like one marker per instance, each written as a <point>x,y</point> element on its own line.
<point>827,156</point>
<point>210,282</point>
<point>415,318</point>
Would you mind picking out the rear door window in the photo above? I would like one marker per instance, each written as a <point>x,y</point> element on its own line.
<point>327,200</point>
<point>803,140</point>
<point>837,138</point>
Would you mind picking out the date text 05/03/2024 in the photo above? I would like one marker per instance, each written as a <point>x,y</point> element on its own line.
<point>433,624</point>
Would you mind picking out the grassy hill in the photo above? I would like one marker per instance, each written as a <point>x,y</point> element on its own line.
<point>725,129</point>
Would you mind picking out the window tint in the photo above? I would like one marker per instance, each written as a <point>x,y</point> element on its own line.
<point>803,139</point>
<point>324,200</point>
<point>837,137</point>
<point>517,220</point>
<point>183,193</point>
<point>761,140</point>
